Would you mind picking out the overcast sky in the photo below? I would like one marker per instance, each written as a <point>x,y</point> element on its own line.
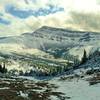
<point>20,16</point>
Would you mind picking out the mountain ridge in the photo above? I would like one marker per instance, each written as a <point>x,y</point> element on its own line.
<point>57,46</point>
<point>48,37</point>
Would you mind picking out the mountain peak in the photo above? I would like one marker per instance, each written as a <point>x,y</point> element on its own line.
<point>50,27</point>
<point>64,30</point>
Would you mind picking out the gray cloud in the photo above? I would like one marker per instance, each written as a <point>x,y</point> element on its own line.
<point>85,21</point>
<point>98,2</point>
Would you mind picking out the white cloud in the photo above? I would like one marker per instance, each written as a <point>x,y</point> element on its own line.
<point>60,19</point>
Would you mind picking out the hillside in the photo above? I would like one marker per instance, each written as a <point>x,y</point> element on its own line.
<point>47,49</point>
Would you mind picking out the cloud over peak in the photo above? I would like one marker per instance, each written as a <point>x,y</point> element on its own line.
<point>22,16</point>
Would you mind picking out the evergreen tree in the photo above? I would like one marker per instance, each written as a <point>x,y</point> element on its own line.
<point>84,58</point>
<point>4,69</point>
<point>1,68</point>
<point>21,73</point>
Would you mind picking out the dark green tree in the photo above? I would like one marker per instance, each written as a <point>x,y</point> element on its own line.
<point>1,68</point>
<point>4,69</point>
<point>84,58</point>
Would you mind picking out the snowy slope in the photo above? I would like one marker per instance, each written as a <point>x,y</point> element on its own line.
<point>77,90</point>
<point>93,60</point>
<point>48,37</point>
<point>49,40</point>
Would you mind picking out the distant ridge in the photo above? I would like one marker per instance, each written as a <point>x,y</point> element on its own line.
<point>63,29</point>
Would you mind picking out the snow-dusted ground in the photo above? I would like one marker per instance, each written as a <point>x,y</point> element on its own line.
<point>4,88</point>
<point>77,90</point>
<point>74,89</point>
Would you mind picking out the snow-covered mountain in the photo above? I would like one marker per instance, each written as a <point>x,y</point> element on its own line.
<point>48,38</point>
<point>50,43</point>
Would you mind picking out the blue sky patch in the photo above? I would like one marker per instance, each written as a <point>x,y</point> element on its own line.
<point>1,14</point>
<point>3,21</point>
<point>18,12</point>
<point>46,11</point>
<point>50,9</point>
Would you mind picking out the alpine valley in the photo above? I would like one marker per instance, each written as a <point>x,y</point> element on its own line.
<point>49,51</point>
<point>50,64</point>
